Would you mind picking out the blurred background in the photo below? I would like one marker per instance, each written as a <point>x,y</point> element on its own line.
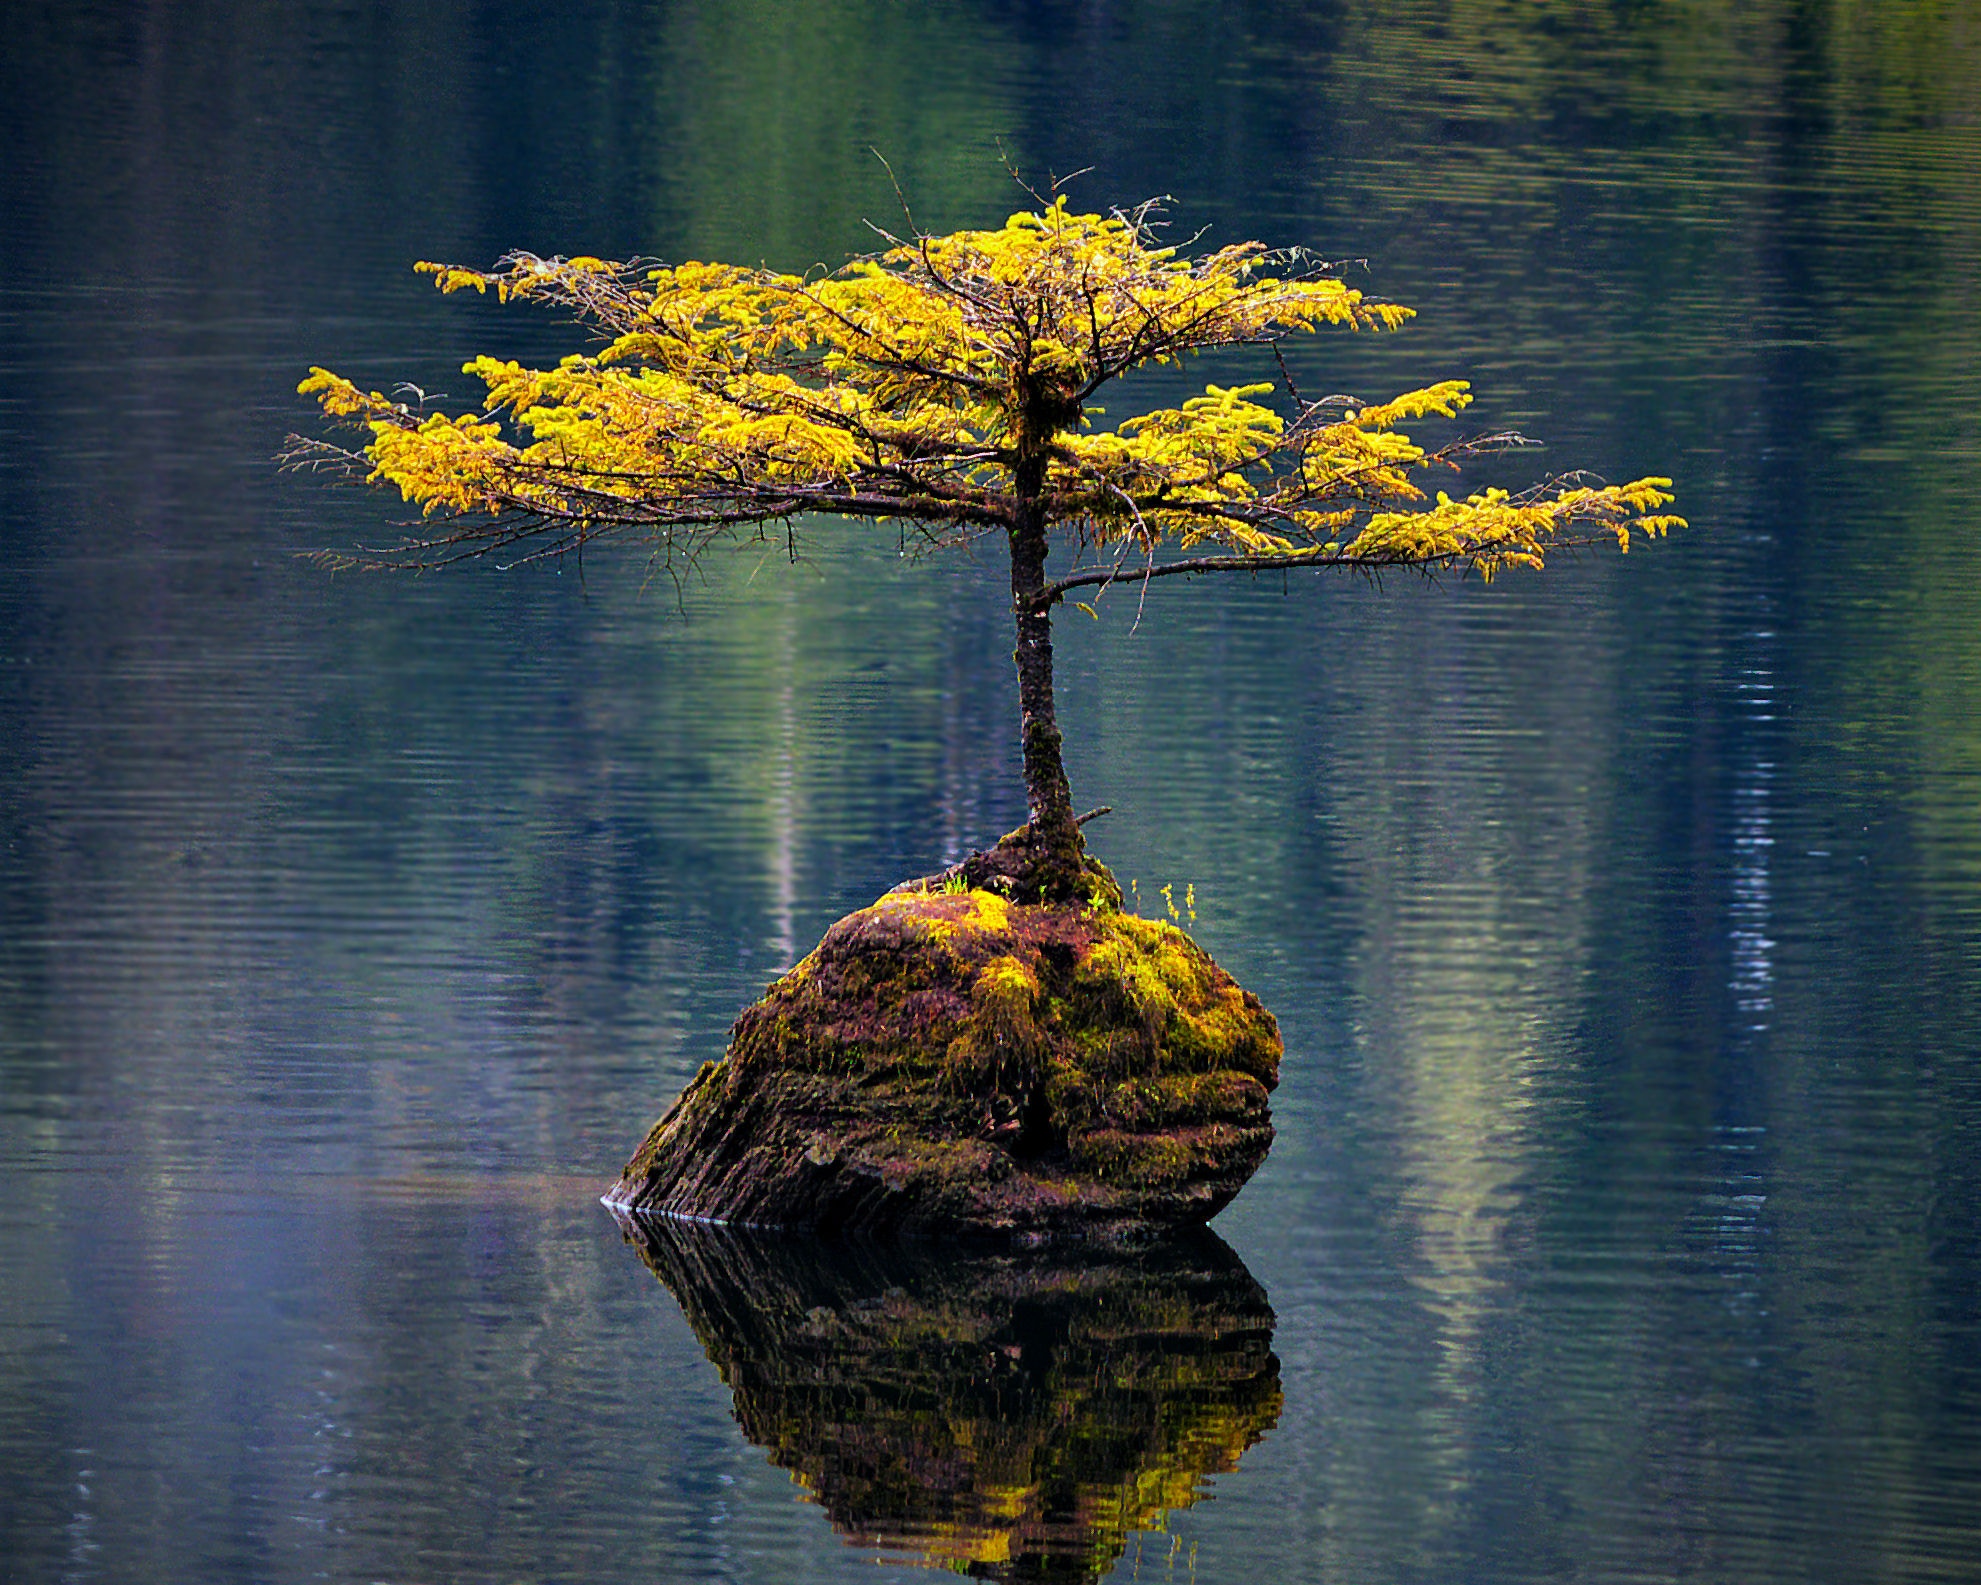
<point>1623,923</point>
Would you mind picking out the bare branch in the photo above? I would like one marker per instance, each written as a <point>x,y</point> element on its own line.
<point>1345,557</point>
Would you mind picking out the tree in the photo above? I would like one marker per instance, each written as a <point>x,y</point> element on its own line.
<point>946,384</point>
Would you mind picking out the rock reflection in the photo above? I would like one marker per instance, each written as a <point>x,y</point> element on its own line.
<point>1012,1415</point>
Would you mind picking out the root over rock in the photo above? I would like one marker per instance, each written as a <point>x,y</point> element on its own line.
<point>951,1061</point>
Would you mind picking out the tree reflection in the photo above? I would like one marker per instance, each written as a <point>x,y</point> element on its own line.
<point>1013,1415</point>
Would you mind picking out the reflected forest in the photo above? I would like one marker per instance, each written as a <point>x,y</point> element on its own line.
<point>1497,1093</point>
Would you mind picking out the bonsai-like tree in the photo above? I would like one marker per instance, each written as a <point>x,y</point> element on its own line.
<point>946,384</point>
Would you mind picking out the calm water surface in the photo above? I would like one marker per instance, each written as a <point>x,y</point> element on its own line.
<point>1624,924</point>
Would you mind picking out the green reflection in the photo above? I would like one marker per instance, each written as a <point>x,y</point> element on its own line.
<point>1007,1415</point>
<point>772,116</point>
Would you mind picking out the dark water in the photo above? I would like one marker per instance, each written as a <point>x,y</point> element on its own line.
<point>1624,924</point>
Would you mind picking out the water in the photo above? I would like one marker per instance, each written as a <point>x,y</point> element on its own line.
<point>1624,924</point>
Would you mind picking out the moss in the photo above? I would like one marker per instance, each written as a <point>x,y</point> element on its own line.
<point>999,1043</point>
<point>1182,1100</point>
<point>1073,1095</point>
<point>1006,982</point>
<point>1232,1031</point>
<point>943,917</point>
<point>1114,1155</point>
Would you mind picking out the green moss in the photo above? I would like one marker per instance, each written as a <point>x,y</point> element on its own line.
<point>1180,967</point>
<point>1232,1031</point>
<point>1099,995</point>
<point>943,917</point>
<point>1073,1095</point>
<point>1184,1100</point>
<point>1116,1156</point>
<point>999,1043</point>
<point>1004,981</point>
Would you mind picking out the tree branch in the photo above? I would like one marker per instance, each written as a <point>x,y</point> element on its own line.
<point>1088,578</point>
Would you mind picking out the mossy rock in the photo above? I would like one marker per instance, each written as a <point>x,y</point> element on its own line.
<point>950,1060</point>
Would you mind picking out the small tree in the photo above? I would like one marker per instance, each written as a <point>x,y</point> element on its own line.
<point>946,384</point>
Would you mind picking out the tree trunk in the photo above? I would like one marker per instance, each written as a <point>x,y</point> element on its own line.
<point>1055,835</point>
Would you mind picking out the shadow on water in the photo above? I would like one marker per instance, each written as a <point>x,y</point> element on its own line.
<point>1015,1415</point>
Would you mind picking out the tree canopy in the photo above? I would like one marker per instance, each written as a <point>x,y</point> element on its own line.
<point>947,384</point>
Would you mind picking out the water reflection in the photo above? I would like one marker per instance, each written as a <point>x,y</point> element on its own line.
<point>1009,1415</point>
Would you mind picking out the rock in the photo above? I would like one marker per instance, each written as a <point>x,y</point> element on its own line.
<point>952,1061</point>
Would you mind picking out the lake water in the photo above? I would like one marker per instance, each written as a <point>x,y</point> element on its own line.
<point>1624,923</point>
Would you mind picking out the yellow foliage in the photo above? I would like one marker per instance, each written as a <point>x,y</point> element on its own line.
<point>339,397</point>
<point>946,381</point>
